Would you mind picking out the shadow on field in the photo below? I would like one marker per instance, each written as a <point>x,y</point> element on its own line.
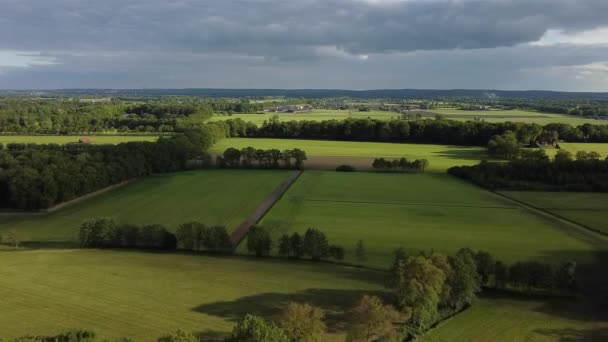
<point>461,153</point>
<point>334,302</point>
<point>575,335</point>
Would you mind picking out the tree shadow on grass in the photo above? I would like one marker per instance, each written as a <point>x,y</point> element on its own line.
<point>335,303</point>
<point>575,335</point>
<point>461,153</point>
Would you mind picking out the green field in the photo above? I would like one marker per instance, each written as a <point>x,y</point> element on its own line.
<point>66,139</point>
<point>418,212</point>
<point>587,208</point>
<point>440,157</point>
<point>145,295</point>
<point>515,116</point>
<point>448,113</point>
<point>504,319</point>
<point>315,115</point>
<point>224,197</point>
<point>600,148</point>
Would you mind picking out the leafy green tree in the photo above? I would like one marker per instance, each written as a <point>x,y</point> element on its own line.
<point>178,336</point>
<point>130,233</point>
<point>504,146</point>
<point>284,246</point>
<point>501,275</point>
<point>419,290</point>
<point>370,320</point>
<point>360,253</point>
<point>315,244</point>
<point>296,245</point>
<point>286,157</point>
<point>303,322</point>
<point>464,281</point>
<point>563,156</point>
<point>299,156</point>
<point>218,240</point>
<point>255,329</point>
<point>485,266</point>
<point>93,231</point>
<point>259,241</point>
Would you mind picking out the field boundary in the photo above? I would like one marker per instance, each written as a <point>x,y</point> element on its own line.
<point>241,231</point>
<point>412,204</point>
<point>590,233</point>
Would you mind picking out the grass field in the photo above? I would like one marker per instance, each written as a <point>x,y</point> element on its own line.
<point>515,116</point>
<point>145,295</point>
<point>224,197</point>
<point>65,139</point>
<point>600,148</point>
<point>418,212</point>
<point>440,157</point>
<point>509,319</point>
<point>589,209</point>
<point>448,113</point>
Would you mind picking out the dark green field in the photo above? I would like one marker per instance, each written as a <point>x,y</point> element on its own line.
<point>418,212</point>
<point>215,197</point>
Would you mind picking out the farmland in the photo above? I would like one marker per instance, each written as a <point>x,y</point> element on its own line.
<point>66,139</point>
<point>521,319</point>
<point>589,209</point>
<point>448,113</point>
<point>214,197</point>
<point>417,212</point>
<point>145,295</point>
<point>345,152</point>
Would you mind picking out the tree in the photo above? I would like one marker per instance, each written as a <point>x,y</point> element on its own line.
<point>336,252</point>
<point>217,240</point>
<point>286,156</point>
<point>419,289</point>
<point>296,245</point>
<point>299,156</point>
<point>464,281</point>
<point>232,157</point>
<point>315,244</point>
<point>284,246</point>
<point>563,156</point>
<point>93,231</point>
<point>504,146</point>
<point>186,235</point>
<point>302,322</point>
<point>130,234</point>
<point>485,266</point>
<point>371,320</point>
<point>360,253</point>
<point>256,329</point>
<point>259,241</point>
<point>178,336</point>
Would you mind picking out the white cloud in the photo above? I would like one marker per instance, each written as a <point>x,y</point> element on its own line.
<point>595,36</point>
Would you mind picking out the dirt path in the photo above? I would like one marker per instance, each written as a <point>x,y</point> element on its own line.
<point>242,230</point>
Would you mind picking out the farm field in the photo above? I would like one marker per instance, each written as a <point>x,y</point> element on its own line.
<point>587,208</point>
<point>145,295</point>
<point>66,139</point>
<point>448,113</point>
<point>214,197</point>
<point>441,157</point>
<point>600,148</point>
<point>515,116</point>
<point>315,115</point>
<point>512,319</point>
<point>418,212</point>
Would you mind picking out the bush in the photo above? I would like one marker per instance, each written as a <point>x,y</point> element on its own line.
<point>345,168</point>
<point>259,241</point>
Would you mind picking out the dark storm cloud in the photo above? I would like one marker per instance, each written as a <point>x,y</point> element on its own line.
<point>277,28</point>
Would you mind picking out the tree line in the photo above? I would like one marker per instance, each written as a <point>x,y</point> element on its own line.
<point>250,157</point>
<point>36,177</point>
<point>313,243</point>
<point>402,164</point>
<point>190,236</point>
<point>449,132</point>
<point>534,170</point>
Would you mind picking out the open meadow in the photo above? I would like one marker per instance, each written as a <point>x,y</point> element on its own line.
<point>214,197</point>
<point>587,208</point>
<point>334,153</point>
<point>515,116</point>
<point>448,113</point>
<point>145,295</point>
<point>66,139</point>
<point>521,319</point>
<point>419,212</point>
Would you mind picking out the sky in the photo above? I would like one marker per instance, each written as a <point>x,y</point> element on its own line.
<point>321,44</point>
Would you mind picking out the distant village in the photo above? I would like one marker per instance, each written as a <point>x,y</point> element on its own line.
<point>290,109</point>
